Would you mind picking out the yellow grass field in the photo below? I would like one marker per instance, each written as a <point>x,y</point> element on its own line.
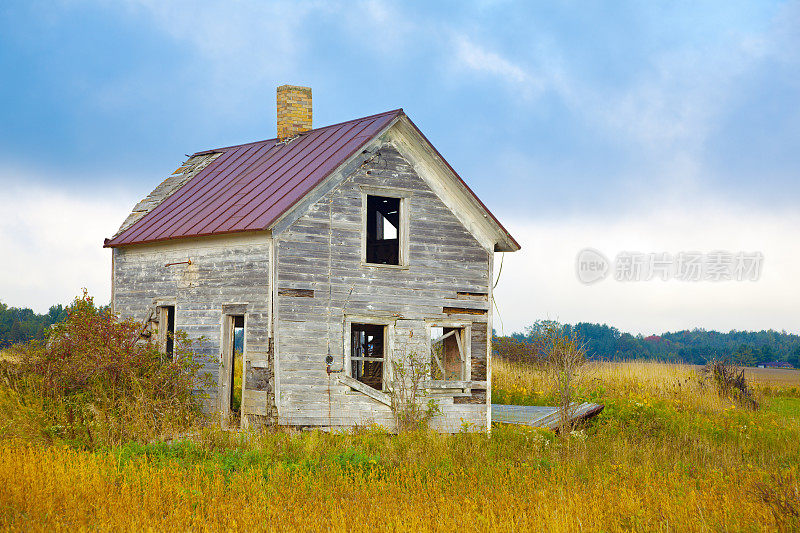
<point>666,454</point>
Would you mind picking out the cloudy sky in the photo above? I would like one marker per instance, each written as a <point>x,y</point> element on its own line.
<point>624,127</point>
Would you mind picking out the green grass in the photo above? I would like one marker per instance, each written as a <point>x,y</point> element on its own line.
<point>785,406</point>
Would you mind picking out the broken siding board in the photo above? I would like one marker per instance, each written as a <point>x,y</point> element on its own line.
<point>453,384</point>
<point>300,293</point>
<point>463,311</point>
<point>365,389</point>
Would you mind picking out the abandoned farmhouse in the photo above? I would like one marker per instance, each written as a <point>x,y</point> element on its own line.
<point>314,266</point>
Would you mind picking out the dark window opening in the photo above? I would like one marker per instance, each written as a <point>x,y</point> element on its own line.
<point>167,315</point>
<point>367,354</point>
<point>383,230</point>
<point>236,367</point>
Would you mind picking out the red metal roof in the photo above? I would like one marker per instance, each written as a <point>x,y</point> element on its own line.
<point>249,186</point>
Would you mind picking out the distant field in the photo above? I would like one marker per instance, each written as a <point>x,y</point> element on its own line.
<point>783,377</point>
<point>777,377</point>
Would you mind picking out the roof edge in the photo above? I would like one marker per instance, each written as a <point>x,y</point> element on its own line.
<point>107,242</point>
<point>399,110</point>
<point>514,245</point>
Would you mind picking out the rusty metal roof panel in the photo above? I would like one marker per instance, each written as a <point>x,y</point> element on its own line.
<point>249,186</point>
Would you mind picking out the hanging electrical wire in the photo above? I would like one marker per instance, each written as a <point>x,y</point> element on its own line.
<point>500,271</point>
<point>502,330</point>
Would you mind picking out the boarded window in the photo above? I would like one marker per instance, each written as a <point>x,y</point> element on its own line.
<point>448,356</point>
<point>367,354</point>
<point>383,230</point>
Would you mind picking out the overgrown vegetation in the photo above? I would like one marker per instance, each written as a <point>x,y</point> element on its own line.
<point>82,413</point>
<point>562,357</point>
<point>408,375</point>
<point>729,381</point>
<point>93,382</point>
<point>667,453</point>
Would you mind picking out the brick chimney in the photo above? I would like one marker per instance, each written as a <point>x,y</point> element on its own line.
<point>294,110</point>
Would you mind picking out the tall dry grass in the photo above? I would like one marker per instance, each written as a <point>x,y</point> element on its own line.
<point>653,460</point>
<point>64,489</point>
<point>681,385</point>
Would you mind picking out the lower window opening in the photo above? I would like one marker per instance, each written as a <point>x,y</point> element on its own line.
<point>367,354</point>
<point>448,361</point>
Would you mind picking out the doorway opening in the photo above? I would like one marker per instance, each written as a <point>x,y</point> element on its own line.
<point>233,369</point>
<point>166,330</point>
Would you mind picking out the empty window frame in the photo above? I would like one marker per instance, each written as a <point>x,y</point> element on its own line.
<point>166,330</point>
<point>449,354</point>
<point>367,354</point>
<point>383,230</point>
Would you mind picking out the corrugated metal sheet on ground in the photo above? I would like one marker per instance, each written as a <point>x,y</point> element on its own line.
<point>540,415</point>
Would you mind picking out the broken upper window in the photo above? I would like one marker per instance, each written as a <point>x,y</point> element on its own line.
<point>383,230</point>
<point>448,354</point>
<point>367,354</point>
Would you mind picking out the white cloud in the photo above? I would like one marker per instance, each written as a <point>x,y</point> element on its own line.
<point>473,57</point>
<point>51,240</point>
<point>540,280</point>
<point>677,102</point>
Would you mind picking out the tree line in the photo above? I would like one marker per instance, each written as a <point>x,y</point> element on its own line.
<point>22,324</point>
<point>696,346</point>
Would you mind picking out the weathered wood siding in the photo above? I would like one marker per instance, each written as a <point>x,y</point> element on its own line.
<point>321,252</point>
<point>224,271</point>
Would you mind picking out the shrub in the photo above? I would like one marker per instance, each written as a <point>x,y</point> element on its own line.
<point>94,381</point>
<point>406,391</point>
<point>729,382</point>
<point>514,350</point>
<point>563,358</point>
